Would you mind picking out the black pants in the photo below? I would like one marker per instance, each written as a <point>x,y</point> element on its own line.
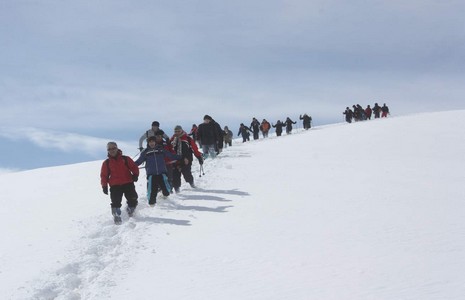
<point>169,173</point>
<point>155,182</point>
<point>186,173</point>
<point>129,192</point>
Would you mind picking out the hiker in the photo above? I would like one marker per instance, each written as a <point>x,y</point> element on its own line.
<point>219,137</point>
<point>185,147</point>
<point>227,137</point>
<point>265,128</point>
<point>244,131</point>
<point>149,133</point>
<point>155,166</point>
<point>255,126</point>
<point>349,115</point>
<point>193,133</point>
<point>207,133</point>
<point>376,110</point>
<point>307,120</point>
<point>361,111</point>
<point>384,111</point>
<point>368,112</point>
<point>119,172</point>
<point>279,127</point>
<point>289,123</point>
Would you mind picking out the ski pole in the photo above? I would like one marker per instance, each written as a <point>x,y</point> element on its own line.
<point>136,154</point>
<point>201,171</point>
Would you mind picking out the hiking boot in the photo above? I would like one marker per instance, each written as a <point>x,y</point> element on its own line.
<point>152,202</point>
<point>116,211</point>
<point>193,185</point>
<point>130,211</point>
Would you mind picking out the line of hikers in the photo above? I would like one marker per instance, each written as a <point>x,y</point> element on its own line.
<point>264,127</point>
<point>166,158</point>
<point>358,113</point>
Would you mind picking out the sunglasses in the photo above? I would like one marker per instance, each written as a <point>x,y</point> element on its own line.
<point>112,148</point>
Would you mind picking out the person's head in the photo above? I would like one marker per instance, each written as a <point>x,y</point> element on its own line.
<point>178,130</point>
<point>112,148</point>
<point>226,128</point>
<point>152,141</point>
<point>207,119</point>
<point>155,125</point>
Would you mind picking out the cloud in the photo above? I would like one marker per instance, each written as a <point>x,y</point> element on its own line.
<point>62,141</point>
<point>177,60</point>
<point>6,171</point>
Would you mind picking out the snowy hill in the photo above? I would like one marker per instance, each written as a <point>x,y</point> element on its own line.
<point>371,210</point>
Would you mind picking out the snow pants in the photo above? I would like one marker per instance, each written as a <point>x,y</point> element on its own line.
<point>186,173</point>
<point>129,192</point>
<point>155,182</point>
<point>209,151</point>
<point>255,135</point>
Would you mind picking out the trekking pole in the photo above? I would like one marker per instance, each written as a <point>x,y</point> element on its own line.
<point>201,171</point>
<point>135,155</point>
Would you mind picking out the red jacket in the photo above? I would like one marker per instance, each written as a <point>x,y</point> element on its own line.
<point>185,146</point>
<point>118,171</point>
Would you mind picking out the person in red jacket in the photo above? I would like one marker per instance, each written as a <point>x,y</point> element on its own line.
<point>186,148</point>
<point>119,172</point>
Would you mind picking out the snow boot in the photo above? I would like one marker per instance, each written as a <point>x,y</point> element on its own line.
<point>130,211</point>
<point>116,212</point>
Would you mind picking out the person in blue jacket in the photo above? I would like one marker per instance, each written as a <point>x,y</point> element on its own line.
<point>155,167</point>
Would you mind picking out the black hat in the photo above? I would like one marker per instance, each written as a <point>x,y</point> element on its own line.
<point>156,123</point>
<point>207,117</point>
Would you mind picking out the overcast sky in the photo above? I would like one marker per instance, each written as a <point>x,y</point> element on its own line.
<point>74,74</point>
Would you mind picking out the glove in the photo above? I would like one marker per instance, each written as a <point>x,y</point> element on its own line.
<point>141,149</point>
<point>105,190</point>
<point>200,158</point>
<point>135,178</point>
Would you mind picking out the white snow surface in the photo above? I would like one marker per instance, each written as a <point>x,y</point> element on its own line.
<point>369,210</point>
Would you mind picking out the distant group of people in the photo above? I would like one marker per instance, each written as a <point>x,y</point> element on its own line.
<point>358,113</point>
<point>166,159</point>
<point>264,127</point>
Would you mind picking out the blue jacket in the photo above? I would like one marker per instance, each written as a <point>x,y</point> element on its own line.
<point>154,159</point>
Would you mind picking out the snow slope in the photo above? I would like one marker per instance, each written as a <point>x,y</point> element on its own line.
<point>370,210</point>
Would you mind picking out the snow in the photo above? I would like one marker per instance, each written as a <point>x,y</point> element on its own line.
<point>370,210</point>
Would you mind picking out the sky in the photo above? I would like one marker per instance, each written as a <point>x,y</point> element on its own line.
<point>315,223</point>
<point>85,72</point>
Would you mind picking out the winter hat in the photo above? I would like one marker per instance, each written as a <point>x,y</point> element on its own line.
<point>207,117</point>
<point>177,128</point>
<point>156,123</point>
